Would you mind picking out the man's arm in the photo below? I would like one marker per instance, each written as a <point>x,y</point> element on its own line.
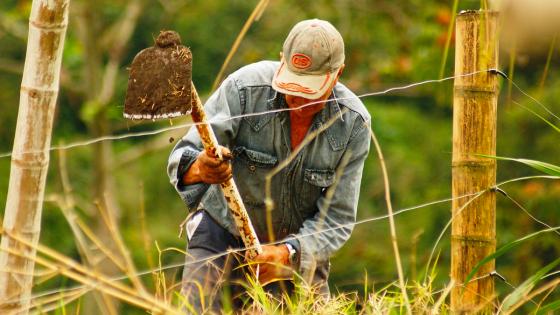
<point>190,169</point>
<point>330,228</point>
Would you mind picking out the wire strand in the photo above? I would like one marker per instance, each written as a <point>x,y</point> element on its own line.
<point>515,202</point>
<point>367,220</point>
<point>240,250</point>
<point>532,98</point>
<point>210,121</point>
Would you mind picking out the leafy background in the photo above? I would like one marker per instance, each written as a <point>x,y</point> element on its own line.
<point>388,43</point>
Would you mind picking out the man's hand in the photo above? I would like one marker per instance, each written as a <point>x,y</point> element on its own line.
<point>209,169</point>
<point>273,263</point>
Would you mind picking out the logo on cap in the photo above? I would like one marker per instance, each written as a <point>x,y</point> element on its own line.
<point>301,61</point>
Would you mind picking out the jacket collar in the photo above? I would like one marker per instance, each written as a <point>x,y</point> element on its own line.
<point>332,110</point>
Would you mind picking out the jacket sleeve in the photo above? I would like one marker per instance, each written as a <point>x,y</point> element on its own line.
<point>220,108</point>
<point>326,232</point>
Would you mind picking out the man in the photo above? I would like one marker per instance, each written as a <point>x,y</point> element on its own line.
<point>314,196</point>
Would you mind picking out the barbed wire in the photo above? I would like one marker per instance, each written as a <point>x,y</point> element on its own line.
<point>495,273</point>
<point>162,130</point>
<point>529,96</point>
<point>340,226</point>
<point>218,255</point>
<point>191,124</point>
<point>240,250</point>
<point>478,194</point>
<point>383,92</point>
<point>515,202</point>
<point>211,121</point>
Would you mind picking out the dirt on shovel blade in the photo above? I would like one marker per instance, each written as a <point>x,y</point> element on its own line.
<point>159,83</point>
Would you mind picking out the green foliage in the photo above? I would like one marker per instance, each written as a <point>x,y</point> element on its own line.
<point>388,43</point>
<point>306,300</point>
<point>546,168</point>
<point>505,249</point>
<point>548,308</point>
<point>523,289</point>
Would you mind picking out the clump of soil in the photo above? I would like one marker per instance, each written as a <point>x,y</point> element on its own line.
<point>159,83</point>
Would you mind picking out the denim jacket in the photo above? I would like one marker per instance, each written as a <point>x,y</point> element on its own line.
<point>301,192</point>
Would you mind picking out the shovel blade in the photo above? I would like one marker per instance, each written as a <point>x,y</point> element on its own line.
<point>159,82</point>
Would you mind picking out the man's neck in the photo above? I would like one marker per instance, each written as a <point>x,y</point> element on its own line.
<point>301,116</point>
<point>299,127</point>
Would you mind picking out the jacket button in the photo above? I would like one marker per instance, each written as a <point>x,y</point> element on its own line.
<point>252,168</point>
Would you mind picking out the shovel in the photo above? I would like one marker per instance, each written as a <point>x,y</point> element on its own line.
<point>160,87</point>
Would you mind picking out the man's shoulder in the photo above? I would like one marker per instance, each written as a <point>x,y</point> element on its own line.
<point>348,99</point>
<point>256,74</point>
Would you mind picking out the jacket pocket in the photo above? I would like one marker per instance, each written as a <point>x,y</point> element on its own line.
<point>315,182</point>
<point>255,158</point>
<point>250,169</point>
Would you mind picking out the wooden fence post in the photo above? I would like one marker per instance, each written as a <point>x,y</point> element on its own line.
<point>30,154</point>
<point>475,98</point>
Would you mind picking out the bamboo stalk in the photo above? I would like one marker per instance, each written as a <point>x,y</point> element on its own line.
<point>94,282</point>
<point>74,270</point>
<point>473,234</point>
<point>30,156</point>
<point>233,198</point>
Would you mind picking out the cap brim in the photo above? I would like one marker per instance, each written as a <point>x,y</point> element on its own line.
<point>308,86</point>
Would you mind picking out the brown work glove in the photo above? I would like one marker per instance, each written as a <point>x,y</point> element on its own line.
<point>209,169</point>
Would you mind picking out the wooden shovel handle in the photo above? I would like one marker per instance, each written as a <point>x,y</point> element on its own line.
<point>233,198</point>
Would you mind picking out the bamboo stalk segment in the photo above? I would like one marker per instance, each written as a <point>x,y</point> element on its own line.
<point>30,155</point>
<point>475,102</point>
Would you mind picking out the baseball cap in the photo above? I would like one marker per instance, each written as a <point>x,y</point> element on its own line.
<point>311,57</point>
